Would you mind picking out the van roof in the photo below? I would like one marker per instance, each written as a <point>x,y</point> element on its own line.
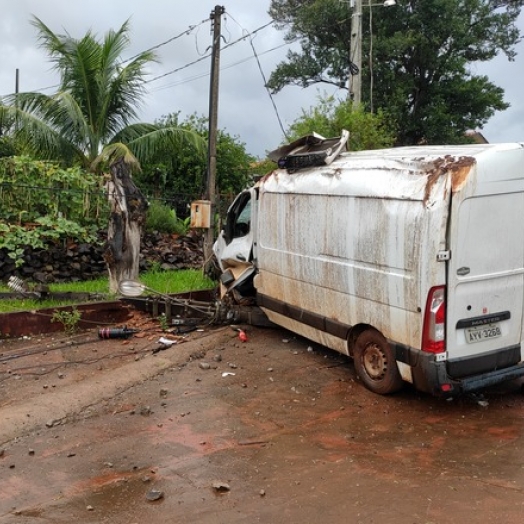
<point>432,152</point>
<point>402,172</point>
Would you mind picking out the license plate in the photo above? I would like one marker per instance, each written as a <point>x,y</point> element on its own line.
<point>478,334</point>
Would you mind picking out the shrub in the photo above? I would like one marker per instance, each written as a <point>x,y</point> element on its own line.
<point>163,219</point>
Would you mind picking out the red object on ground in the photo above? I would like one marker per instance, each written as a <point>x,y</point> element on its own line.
<point>242,335</point>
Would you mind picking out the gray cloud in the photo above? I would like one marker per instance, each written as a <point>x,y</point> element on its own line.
<point>245,109</point>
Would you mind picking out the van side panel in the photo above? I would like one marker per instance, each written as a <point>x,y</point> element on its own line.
<point>351,258</point>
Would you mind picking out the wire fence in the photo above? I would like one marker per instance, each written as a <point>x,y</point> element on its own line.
<point>21,203</point>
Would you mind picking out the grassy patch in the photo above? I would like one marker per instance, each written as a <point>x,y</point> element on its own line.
<point>161,281</point>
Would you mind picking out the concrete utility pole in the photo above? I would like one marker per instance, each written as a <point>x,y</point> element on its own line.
<point>209,237</point>
<point>355,52</point>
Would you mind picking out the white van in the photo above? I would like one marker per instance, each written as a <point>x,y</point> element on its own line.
<point>410,260</point>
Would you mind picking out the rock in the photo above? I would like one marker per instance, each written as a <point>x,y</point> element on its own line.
<point>154,495</point>
<point>204,365</point>
<point>221,487</point>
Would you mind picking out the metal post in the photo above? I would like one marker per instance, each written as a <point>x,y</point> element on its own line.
<point>355,55</point>
<point>210,195</point>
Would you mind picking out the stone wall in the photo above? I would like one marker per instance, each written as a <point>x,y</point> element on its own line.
<point>74,262</point>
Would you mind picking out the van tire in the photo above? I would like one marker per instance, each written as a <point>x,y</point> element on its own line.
<point>375,363</point>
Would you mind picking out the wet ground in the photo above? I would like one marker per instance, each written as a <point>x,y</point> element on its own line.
<point>272,430</point>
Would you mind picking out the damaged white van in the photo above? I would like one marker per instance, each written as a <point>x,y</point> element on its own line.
<point>410,260</point>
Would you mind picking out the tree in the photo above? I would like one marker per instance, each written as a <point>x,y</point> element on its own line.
<point>329,117</point>
<point>90,121</point>
<point>419,56</point>
<point>182,176</point>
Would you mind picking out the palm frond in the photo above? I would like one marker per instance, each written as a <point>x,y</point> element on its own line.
<point>41,138</point>
<point>166,139</point>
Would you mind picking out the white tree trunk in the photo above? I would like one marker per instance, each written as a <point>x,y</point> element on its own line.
<point>128,213</point>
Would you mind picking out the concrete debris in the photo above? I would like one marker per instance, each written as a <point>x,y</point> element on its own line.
<point>167,341</point>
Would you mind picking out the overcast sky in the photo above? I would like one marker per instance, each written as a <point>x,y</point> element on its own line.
<point>245,108</point>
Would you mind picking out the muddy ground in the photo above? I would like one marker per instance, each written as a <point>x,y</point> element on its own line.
<point>272,430</point>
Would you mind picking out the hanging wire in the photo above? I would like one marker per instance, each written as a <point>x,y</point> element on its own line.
<point>268,90</point>
<point>169,40</point>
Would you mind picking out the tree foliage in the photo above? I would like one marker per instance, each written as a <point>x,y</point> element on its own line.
<point>40,202</point>
<point>417,58</point>
<point>329,117</point>
<point>182,176</point>
<point>30,189</point>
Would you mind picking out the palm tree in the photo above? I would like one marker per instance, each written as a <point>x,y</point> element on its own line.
<point>90,121</point>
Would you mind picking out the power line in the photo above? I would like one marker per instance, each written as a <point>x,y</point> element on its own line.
<point>222,68</point>
<point>169,40</point>
<point>267,89</point>
<point>158,46</point>
<point>251,37</point>
<point>181,68</point>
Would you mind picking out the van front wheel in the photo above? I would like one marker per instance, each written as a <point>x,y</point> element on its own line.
<point>375,363</point>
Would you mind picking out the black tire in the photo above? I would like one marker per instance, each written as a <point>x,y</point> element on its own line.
<point>375,363</point>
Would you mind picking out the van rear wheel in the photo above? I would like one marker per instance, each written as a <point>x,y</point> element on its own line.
<point>375,363</point>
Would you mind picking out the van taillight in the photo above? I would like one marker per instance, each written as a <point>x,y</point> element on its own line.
<point>434,332</point>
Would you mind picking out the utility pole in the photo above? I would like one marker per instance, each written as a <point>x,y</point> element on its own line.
<point>355,53</point>
<point>209,236</point>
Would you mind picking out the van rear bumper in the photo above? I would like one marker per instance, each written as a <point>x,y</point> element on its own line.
<point>490,379</point>
<point>432,376</point>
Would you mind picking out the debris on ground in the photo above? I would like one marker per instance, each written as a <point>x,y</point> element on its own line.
<point>221,487</point>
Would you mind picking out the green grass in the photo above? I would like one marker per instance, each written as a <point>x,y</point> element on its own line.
<point>161,281</point>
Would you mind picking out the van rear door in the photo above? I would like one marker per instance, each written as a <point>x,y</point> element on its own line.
<point>485,277</point>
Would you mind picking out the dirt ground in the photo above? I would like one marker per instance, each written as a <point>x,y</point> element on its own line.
<point>215,430</point>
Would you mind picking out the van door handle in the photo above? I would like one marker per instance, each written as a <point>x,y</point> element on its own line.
<point>241,257</point>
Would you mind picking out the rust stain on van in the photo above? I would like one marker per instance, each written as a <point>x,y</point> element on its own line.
<point>460,172</point>
<point>458,167</point>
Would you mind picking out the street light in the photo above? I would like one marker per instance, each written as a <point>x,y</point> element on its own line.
<point>355,52</point>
